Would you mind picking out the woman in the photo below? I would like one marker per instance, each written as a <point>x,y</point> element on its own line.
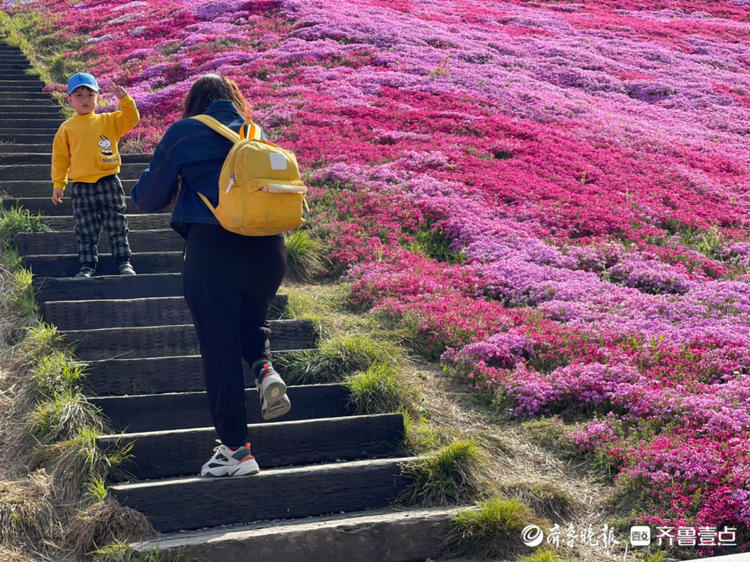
<point>228,279</point>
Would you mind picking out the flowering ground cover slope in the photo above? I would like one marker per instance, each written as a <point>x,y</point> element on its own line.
<point>554,196</point>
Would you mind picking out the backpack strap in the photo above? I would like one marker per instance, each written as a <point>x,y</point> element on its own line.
<point>253,133</point>
<point>217,126</point>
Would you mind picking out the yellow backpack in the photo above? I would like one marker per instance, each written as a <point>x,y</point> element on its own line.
<point>260,190</point>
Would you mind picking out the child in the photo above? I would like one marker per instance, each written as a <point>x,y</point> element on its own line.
<point>85,148</point>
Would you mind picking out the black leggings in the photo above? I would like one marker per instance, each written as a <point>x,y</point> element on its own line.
<point>229,281</point>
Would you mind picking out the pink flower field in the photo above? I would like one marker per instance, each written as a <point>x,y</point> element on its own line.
<point>554,196</point>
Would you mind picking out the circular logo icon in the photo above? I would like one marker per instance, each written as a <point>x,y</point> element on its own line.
<point>532,535</point>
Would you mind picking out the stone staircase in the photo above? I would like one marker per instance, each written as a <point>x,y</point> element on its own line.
<point>328,477</point>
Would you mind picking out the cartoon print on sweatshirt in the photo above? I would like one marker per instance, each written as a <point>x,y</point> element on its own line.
<point>105,145</point>
<point>107,159</point>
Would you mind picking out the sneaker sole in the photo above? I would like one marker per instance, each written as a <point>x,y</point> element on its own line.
<point>274,401</point>
<point>246,468</point>
<point>276,409</point>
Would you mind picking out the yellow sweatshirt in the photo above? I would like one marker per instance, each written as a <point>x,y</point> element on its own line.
<point>85,146</point>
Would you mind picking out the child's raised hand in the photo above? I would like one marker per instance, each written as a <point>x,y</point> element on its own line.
<point>119,91</point>
<point>57,196</point>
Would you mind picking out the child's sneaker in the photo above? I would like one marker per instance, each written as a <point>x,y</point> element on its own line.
<point>125,268</point>
<point>226,462</point>
<point>85,271</point>
<point>272,391</point>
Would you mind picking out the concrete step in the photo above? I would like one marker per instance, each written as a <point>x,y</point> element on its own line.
<point>144,221</point>
<point>67,265</point>
<point>165,341</point>
<point>39,243</point>
<point>184,410</point>
<point>41,171</point>
<point>108,287</point>
<point>9,64</point>
<point>126,312</point>
<point>31,129</point>
<point>14,57</point>
<point>42,189</point>
<point>384,535</point>
<point>21,83</point>
<point>12,108</point>
<point>25,97</point>
<point>115,377</point>
<point>45,206</point>
<point>21,137</point>
<point>290,443</point>
<point>46,111</point>
<point>17,74</point>
<point>45,157</point>
<point>20,123</point>
<point>18,147</point>
<point>193,503</point>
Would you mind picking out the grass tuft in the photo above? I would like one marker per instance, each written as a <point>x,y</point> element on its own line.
<point>97,489</point>
<point>74,463</point>
<point>16,220</point>
<point>23,299</point>
<point>18,307</point>
<point>106,522</point>
<point>492,531</point>
<point>380,390</point>
<point>552,434</point>
<point>456,474</point>
<point>41,340</point>
<point>304,256</point>
<point>421,436</point>
<point>26,512</point>
<point>64,417</point>
<point>546,499</point>
<point>333,360</point>
<point>51,374</point>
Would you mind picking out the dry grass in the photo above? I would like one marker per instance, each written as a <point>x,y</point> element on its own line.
<point>105,522</point>
<point>8,554</point>
<point>26,511</point>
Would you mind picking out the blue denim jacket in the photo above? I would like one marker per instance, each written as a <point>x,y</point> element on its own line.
<point>189,149</point>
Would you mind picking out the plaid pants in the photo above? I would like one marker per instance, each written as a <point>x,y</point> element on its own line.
<point>94,205</point>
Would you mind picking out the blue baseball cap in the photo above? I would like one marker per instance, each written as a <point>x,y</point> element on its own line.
<point>82,79</point>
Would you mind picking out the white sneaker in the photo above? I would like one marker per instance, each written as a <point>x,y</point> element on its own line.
<point>272,392</point>
<point>226,462</point>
